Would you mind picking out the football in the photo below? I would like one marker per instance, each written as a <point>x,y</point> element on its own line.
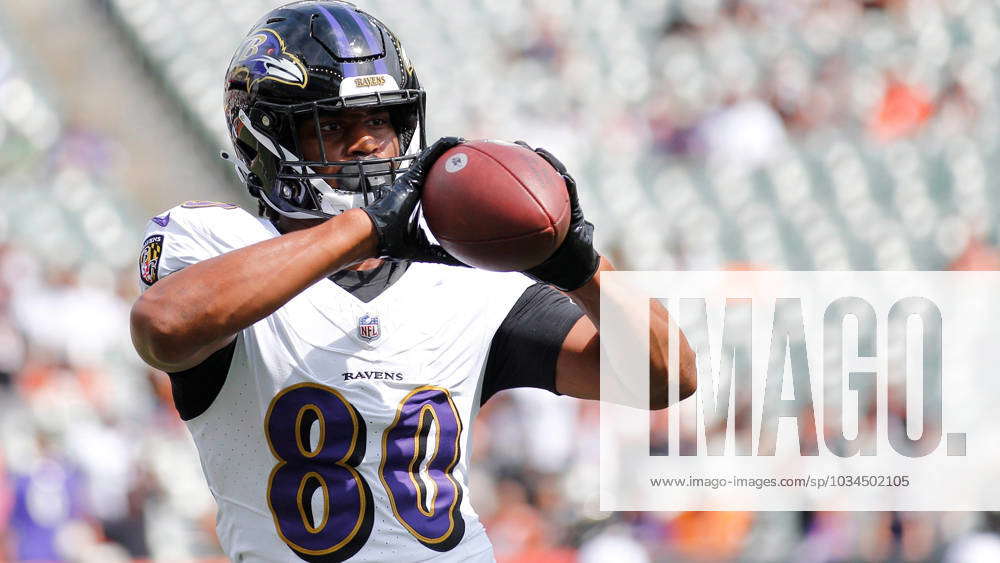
<point>496,205</point>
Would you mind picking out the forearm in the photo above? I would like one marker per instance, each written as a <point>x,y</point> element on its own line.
<point>188,315</point>
<point>588,298</point>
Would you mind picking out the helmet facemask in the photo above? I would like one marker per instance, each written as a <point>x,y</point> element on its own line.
<point>300,189</point>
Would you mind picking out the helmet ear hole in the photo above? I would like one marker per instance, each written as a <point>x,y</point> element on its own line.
<point>264,120</point>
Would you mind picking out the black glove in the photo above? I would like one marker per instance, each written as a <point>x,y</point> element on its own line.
<point>395,213</point>
<point>575,262</point>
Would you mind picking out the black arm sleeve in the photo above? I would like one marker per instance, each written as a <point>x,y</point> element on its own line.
<point>195,389</point>
<point>526,347</point>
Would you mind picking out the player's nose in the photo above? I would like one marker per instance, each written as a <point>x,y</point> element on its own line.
<point>362,144</point>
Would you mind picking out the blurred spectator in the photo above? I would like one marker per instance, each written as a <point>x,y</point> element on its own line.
<point>977,256</point>
<point>48,499</point>
<point>745,134</point>
<point>980,547</point>
<point>6,507</point>
<point>115,484</point>
<point>903,109</point>
<point>710,536</point>
<point>614,544</point>
<point>516,528</point>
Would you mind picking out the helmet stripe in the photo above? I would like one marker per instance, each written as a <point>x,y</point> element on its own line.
<point>345,28</point>
<point>343,43</point>
<point>373,44</point>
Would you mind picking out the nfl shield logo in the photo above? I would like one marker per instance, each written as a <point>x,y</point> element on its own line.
<point>368,328</point>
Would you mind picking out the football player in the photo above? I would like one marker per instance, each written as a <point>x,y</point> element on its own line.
<point>328,359</point>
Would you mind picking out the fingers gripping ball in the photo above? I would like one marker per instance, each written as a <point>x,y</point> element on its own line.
<point>496,206</point>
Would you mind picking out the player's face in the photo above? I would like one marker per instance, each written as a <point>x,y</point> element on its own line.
<point>352,134</point>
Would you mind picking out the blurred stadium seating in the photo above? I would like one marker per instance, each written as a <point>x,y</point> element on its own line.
<point>90,456</point>
<point>54,172</point>
<point>795,134</point>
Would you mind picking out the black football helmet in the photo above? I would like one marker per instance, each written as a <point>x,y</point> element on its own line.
<point>298,62</point>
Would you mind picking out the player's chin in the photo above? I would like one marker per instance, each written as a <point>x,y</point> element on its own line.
<point>381,173</point>
<point>339,184</point>
<point>325,172</point>
<point>351,186</point>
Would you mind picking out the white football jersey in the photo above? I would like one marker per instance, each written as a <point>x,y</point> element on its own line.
<point>343,428</point>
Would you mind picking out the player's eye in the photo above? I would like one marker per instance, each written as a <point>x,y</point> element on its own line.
<point>377,119</point>
<point>329,127</point>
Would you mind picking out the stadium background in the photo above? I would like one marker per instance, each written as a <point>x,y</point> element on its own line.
<point>705,134</point>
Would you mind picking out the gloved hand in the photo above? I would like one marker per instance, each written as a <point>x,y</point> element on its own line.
<point>395,213</point>
<point>575,262</point>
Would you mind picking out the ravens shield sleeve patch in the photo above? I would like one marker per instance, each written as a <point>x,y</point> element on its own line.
<point>149,259</point>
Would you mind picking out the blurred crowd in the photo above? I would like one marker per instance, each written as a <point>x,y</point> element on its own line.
<point>802,134</point>
<point>95,465</point>
<point>790,134</point>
